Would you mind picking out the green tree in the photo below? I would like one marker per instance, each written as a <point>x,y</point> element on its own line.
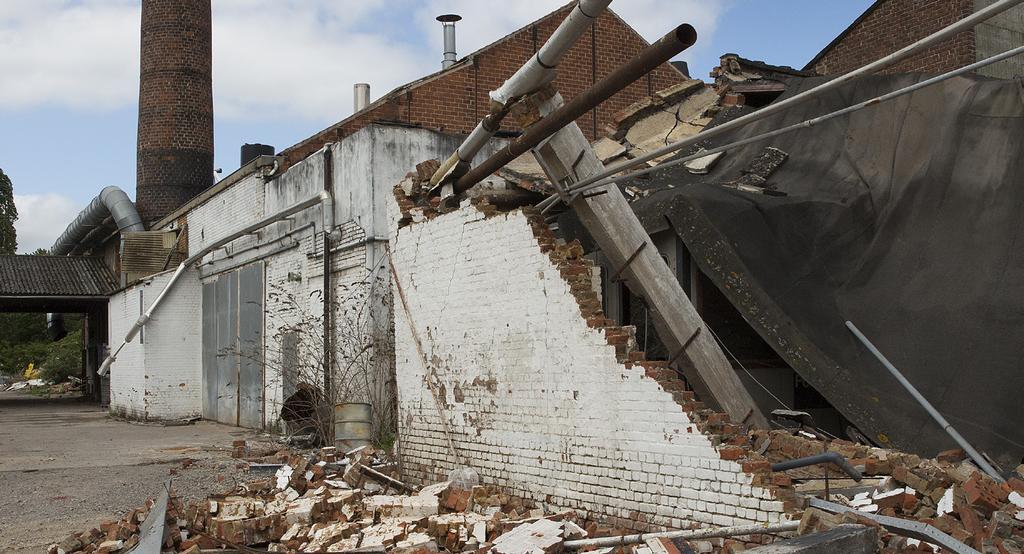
<point>8,215</point>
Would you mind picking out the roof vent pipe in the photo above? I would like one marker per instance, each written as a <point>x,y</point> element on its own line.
<point>448,22</point>
<point>361,96</point>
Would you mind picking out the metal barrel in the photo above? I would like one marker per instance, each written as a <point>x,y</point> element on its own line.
<point>353,425</point>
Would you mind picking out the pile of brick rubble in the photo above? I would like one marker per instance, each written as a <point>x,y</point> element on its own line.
<point>948,492</point>
<point>314,503</point>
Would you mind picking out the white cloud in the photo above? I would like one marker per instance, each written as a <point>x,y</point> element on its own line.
<point>79,55</point>
<point>303,62</point>
<point>42,218</point>
<point>272,59</point>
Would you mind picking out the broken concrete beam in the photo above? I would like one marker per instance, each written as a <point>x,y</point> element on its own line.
<point>403,508</point>
<point>848,539</point>
<point>542,535</point>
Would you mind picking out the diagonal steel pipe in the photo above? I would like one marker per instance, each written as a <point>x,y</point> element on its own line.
<point>538,71</point>
<point>679,39</point>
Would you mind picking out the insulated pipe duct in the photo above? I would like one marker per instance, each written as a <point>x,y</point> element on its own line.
<point>110,201</point>
<point>324,198</point>
<point>540,69</point>
<point>448,24</point>
<point>531,76</point>
<point>360,96</point>
<point>679,39</point>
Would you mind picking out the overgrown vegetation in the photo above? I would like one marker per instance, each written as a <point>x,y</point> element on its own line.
<point>362,364</point>
<point>23,341</point>
<point>23,338</point>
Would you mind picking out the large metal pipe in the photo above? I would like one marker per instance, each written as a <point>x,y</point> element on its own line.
<point>962,25</point>
<point>110,201</point>
<point>679,39</point>
<point>531,76</point>
<point>946,426</point>
<point>324,198</point>
<point>550,202</point>
<point>541,68</point>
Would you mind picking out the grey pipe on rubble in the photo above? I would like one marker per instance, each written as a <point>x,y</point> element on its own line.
<point>739,530</point>
<point>975,456</point>
<point>323,197</point>
<point>110,201</point>
<point>833,458</point>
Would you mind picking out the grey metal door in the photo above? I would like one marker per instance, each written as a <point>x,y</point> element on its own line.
<point>233,347</point>
<point>250,341</point>
<point>211,381</point>
<point>227,348</point>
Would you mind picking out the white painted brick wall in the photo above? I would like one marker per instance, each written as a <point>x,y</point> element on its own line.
<point>535,398</point>
<point>232,209</point>
<point>128,373</point>
<point>158,376</point>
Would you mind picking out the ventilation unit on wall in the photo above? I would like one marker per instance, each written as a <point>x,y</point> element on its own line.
<point>149,252</point>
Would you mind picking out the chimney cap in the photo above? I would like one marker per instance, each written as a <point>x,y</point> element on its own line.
<point>449,18</point>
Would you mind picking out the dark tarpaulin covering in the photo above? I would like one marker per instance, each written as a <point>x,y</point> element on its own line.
<point>905,218</point>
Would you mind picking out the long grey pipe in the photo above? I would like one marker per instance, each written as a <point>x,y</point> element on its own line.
<point>946,426</point>
<point>110,201</point>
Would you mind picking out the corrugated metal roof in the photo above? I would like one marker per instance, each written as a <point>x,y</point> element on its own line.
<point>55,276</point>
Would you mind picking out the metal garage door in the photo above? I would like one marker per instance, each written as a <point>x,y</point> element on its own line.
<point>233,347</point>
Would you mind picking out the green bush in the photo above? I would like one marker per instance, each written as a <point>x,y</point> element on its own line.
<point>14,358</point>
<point>63,358</point>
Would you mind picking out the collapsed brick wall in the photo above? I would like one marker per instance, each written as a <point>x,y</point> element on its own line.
<point>893,24</point>
<point>454,101</point>
<point>540,390</point>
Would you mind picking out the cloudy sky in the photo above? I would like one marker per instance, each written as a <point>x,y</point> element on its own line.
<point>284,69</point>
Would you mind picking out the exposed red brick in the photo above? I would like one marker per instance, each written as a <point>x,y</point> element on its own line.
<point>175,140</point>
<point>893,24</point>
<point>454,101</point>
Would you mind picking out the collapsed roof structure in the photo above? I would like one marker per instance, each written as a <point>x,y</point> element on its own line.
<point>613,339</point>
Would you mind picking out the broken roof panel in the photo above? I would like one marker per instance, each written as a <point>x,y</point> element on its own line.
<point>903,218</point>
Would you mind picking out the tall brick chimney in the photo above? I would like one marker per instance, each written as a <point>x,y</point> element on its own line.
<point>175,148</point>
